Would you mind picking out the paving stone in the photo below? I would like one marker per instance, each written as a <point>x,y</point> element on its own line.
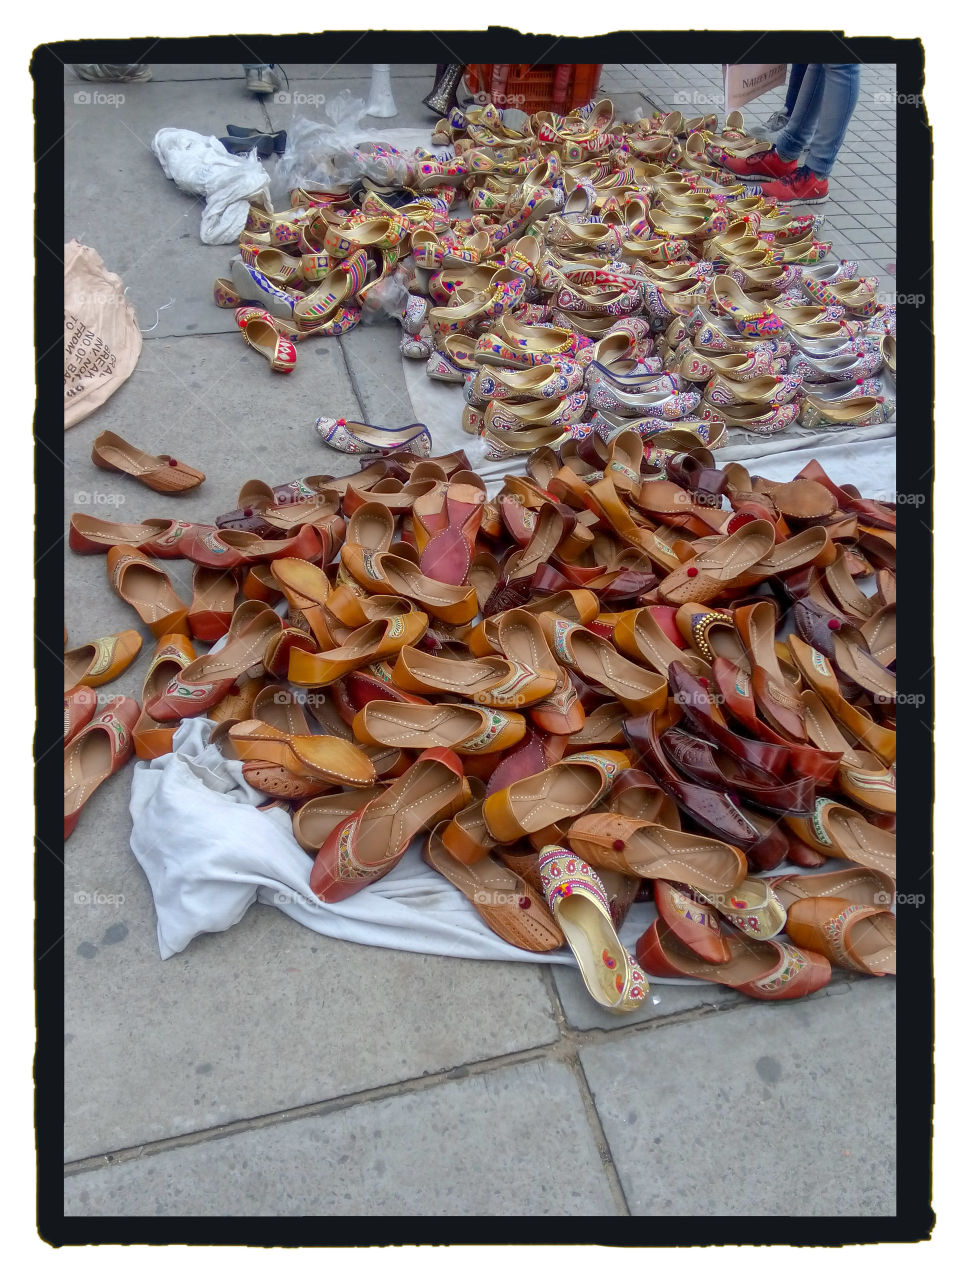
<point>773,1086</point>
<point>511,1143</point>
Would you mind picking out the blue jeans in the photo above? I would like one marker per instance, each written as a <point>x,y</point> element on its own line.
<point>797,71</point>
<point>819,120</point>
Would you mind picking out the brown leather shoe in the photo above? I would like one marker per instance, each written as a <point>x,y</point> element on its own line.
<point>99,750</point>
<point>101,660</point>
<point>502,900</point>
<point>459,726</point>
<point>160,472</point>
<point>148,588</point>
<point>564,790</point>
<point>369,843</point>
<point>651,852</point>
<point>151,738</point>
<point>763,970</point>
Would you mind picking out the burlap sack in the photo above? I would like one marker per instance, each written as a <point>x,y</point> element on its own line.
<point>101,338</point>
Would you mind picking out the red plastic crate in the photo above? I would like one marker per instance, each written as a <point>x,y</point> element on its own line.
<point>555,87</point>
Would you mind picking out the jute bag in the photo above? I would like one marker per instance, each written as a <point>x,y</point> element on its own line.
<point>101,338</point>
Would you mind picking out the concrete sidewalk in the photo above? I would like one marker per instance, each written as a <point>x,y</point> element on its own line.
<point>339,1079</point>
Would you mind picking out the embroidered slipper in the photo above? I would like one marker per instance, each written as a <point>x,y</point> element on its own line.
<point>764,970</point>
<point>100,661</point>
<point>754,908</point>
<point>360,437</point>
<point>253,286</point>
<point>502,899</point>
<point>693,920</point>
<point>148,588</point>
<point>97,752</point>
<point>851,935</point>
<point>491,681</point>
<point>841,832</point>
<point>465,729</point>
<point>652,852</point>
<point>578,900</point>
<point>160,472</point>
<point>261,333</point>
<point>819,676</point>
<point>853,884</point>
<point>373,839</point>
<point>152,739</point>
<point>202,684</point>
<point>79,708</point>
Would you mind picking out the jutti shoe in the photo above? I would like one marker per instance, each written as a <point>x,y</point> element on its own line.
<point>370,643</point>
<point>464,729</point>
<point>79,708</point>
<point>649,851</point>
<point>152,739</point>
<point>147,587</point>
<point>101,748</point>
<point>851,935</point>
<point>502,899</point>
<point>360,437</point>
<point>253,286</point>
<point>576,896</point>
<point>387,573</point>
<point>842,832</point>
<point>263,335</point>
<point>100,661</point>
<point>839,415</point>
<point>763,970</point>
<point>160,472</point>
<point>204,682</point>
<point>317,757</point>
<point>372,840</point>
<point>562,791</point>
<point>754,908</point>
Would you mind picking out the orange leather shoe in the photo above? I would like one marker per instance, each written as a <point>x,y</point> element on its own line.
<point>314,821</point>
<point>202,684</point>
<point>850,934</point>
<point>315,756</point>
<point>465,729</point>
<point>101,660</point>
<point>151,738</point>
<point>385,573</point>
<point>651,852</point>
<point>492,681</point>
<point>371,842</point>
<point>97,752</point>
<point>160,472</point>
<point>764,970</point>
<point>840,832</point>
<point>543,799</point>
<point>370,643</point>
<point>596,659</point>
<point>148,589</point>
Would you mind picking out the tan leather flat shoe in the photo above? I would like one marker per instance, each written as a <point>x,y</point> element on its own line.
<point>159,472</point>
<point>148,588</point>
<point>101,660</point>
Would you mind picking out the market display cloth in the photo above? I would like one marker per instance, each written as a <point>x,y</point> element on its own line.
<point>101,337</point>
<point>202,166</point>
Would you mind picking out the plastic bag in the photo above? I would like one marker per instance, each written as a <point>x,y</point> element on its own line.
<point>202,166</point>
<point>387,299</point>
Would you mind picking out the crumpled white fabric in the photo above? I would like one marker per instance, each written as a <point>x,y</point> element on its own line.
<point>208,853</point>
<point>202,166</point>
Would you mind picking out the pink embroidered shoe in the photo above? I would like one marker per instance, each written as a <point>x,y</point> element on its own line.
<point>750,319</point>
<point>755,418</point>
<point>580,906</point>
<point>360,437</point>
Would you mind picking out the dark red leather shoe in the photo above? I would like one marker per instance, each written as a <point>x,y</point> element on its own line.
<point>704,762</point>
<point>806,760</point>
<point>699,708</point>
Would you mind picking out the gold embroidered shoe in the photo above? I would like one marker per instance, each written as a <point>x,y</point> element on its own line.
<point>101,660</point>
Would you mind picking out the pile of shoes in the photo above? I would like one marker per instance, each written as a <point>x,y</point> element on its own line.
<point>631,673</point>
<point>626,261</point>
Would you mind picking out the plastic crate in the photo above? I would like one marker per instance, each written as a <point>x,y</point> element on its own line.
<point>555,87</point>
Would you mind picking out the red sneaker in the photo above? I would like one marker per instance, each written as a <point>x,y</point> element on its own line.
<point>762,165</point>
<point>800,187</point>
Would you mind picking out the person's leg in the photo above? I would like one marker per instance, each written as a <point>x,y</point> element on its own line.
<point>840,94</point>
<point>797,71</point>
<point>796,137</point>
